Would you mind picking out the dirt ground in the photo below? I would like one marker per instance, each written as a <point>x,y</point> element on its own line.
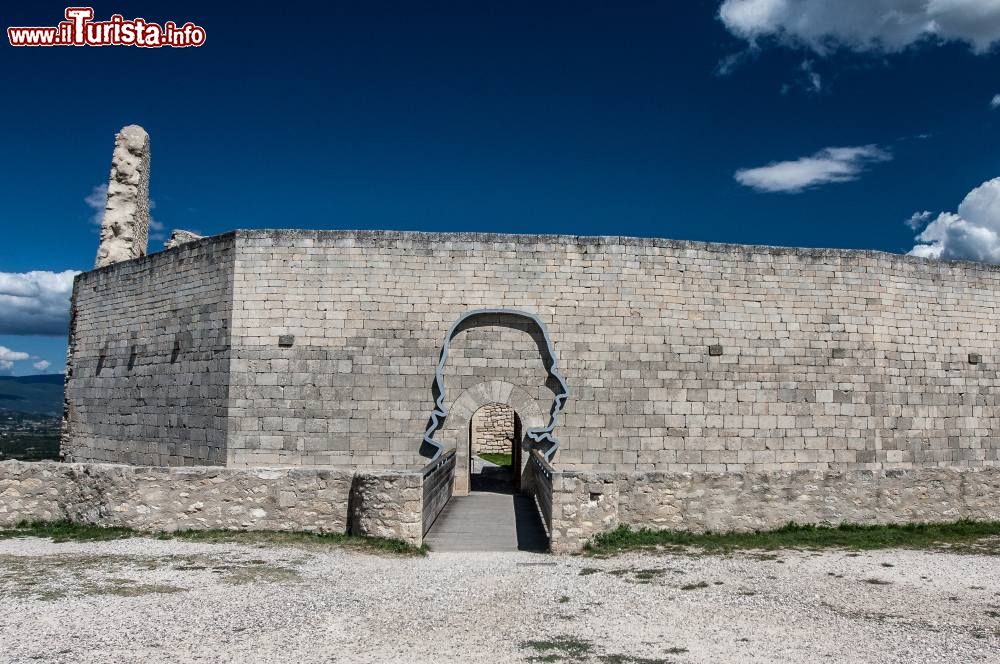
<point>144,600</point>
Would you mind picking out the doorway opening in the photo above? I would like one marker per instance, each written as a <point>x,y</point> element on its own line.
<point>495,442</point>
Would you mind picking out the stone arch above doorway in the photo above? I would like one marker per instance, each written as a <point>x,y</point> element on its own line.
<point>501,392</point>
<point>541,434</point>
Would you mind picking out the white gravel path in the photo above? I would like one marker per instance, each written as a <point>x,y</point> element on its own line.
<point>144,600</point>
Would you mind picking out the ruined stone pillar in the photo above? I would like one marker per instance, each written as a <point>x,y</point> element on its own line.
<point>125,228</point>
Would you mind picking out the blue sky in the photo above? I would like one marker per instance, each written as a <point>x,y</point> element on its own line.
<point>789,122</point>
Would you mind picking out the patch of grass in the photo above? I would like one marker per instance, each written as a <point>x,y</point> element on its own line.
<point>49,578</point>
<point>878,582</point>
<point>558,648</point>
<point>633,574</point>
<point>239,576</point>
<point>647,575</point>
<point>631,659</point>
<point>64,531</point>
<point>958,536</point>
<point>129,589</point>
<point>563,599</point>
<point>498,459</point>
<point>695,586</point>
<point>286,538</point>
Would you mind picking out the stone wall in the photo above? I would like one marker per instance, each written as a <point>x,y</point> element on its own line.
<point>493,429</point>
<point>168,499</point>
<point>375,504</point>
<point>388,504</point>
<point>586,504</point>
<point>680,356</point>
<point>147,375</point>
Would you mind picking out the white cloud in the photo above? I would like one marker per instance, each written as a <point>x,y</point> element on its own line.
<point>35,302</point>
<point>825,167</point>
<point>157,231</point>
<point>41,365</point>
<point>918,219</point>
<point>864,25</point>
<point>814,82</point>
<point>8,357</point>
<point>96,200</point>
<point>995,102</point>
<point>971,234</point>
<point>728,64</point>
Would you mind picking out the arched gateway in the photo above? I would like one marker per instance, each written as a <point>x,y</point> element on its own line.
<point>537,433</point>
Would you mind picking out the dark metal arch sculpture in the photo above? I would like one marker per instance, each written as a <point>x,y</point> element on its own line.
<point>431,448</point>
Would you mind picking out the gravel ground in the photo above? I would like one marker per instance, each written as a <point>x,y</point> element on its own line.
<point>142,600</point>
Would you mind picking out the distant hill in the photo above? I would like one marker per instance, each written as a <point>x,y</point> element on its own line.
<point>42,394</point>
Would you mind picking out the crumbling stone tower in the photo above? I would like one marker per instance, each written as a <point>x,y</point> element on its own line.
<point>125,227</point>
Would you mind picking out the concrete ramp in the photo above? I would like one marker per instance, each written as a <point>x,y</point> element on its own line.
<point>488,521</point>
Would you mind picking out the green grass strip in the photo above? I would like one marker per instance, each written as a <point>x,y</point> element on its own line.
<point>498,459</point>
<point>957,535</point>
<point>65,531</point>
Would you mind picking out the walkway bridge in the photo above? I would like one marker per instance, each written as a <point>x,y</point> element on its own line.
<point>493,517</point>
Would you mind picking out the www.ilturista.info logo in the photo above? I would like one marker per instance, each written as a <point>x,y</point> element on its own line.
<point>79,29</point>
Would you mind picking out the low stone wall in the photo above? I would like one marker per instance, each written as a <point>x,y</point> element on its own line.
<point>576,506</point>
<point>586,504</point>
<point>387,504</point>
<point>438,485</point>
<point>377,504</point>
<point>167,499</point>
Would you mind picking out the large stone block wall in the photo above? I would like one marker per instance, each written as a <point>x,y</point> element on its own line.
<point>586,504</point>
<point>681,357</point>
<point>168,499</point>
<point>148,367</point>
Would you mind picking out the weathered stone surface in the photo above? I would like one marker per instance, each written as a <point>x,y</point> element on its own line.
<point>179,237</point>
<point>125,227</point>
<point>493,429</point>
<point>832,360</point>
<point>585,504</point>
<point>167,499</point>
<point>379,504</point>
<point>387,504</point>
<point>148,373</point>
